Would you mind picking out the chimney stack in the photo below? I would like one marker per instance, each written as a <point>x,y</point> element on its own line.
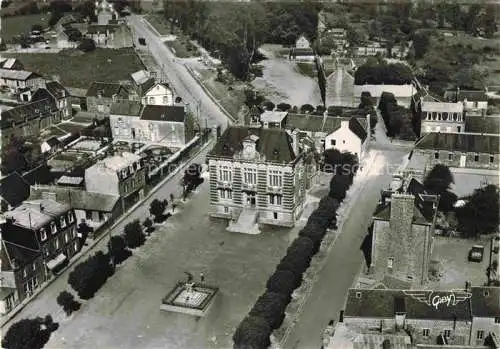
<point>295,140</point>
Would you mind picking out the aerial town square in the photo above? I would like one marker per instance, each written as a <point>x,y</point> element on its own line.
<point>185,174</point>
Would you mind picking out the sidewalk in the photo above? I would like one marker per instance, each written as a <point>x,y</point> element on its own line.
<point>86,249</point>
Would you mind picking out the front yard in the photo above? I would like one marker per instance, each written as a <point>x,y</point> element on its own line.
<point>74,68</point>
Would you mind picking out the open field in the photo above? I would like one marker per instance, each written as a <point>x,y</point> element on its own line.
<point>159,22</point>
<point>74,70</point>
<point>17,25</point>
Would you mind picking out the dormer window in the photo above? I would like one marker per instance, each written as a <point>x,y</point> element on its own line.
<point>492,159</point>
<point>71,219</point>
<point>62,222</point>
<point>275,178</point>
<point>43,234</point>
<point>37,111</point>
<point>358,295</point>
<point>53,227</point>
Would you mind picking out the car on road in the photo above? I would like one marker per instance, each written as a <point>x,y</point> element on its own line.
<point>476,253</point>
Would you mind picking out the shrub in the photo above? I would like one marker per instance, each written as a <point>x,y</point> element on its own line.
<point>338,187</point>
<point>268,105</point>
<point>67,301</point>
<point>282,282</point>
<point>133,234</point>
<point>26,334</point>
<point>148,224</point>
<point>89,276</point>
<point>294,263</point>
<point>306,109</point>
<point>117,248</point>
<point>283,107</point>
<point>314,231</point>
<point>335,111</point>
<point>156,208</point>
<point>87,45</point>
<point>270,306</point>
<point>252,333</point>
<point>320,110</point>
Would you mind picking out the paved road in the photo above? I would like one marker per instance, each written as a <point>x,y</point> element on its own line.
<point>184,84</point>
<point>45,303</point>
<point>345,259</point>
<point>340,88</point>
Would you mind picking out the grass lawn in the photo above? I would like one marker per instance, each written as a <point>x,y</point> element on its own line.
<point>159,22</point>
<point>80,70</point>
<point>17,25</point>
<point>182,48</point>
<point>309,69</point>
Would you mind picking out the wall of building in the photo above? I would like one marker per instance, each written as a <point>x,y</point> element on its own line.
<point>345,140</point>
<point>134,182</point>
<point>483,324</point>
<point>459,159</point>
<point>101,180</point>
<point>158,95</point>
<point>99,105</point>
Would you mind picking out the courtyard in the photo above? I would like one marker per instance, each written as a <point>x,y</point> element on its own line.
<point>450,255</point>
<point>125,313</point>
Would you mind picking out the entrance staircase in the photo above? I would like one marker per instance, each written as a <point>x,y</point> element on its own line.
<point>246,222</point>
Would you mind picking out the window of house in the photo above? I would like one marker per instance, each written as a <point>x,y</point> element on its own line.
<point>275,215</point>
<point>444,116</point>
<point>492,159</point>
<point>71,219</point>
<point>56,244</point>
<point>275,199</point>
<point>151,100</point>
<point>225,194</point>
<point>343,142</point>
<point>250,175</point>
<point>358,295</point>
<point>43,234</point>
<point>33,266</point>
<point>75,245</point>
<point>447,333</point>
<point>390,262</point>
<point>426,332</point>
<point>88,215</point>
<point>62,221</point>
<point>66,238</point>
<point>275,178</point>
<point>455,116</point>
<point>450,156</point>
<point>226,209</point>
<point>73,231</point>
<point>333,142</point>
<point>165,100</point>
<point>434,115</point>
<point>497,320</point>
<point>480,334</point>
<point>25,272</point>
<point>225,174</point>
<point>476,157</point>
<point>100,108</point>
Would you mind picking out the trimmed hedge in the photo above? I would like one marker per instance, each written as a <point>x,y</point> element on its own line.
<point>269,310</point>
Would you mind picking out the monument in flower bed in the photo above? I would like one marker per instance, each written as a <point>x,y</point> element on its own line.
<point>190,298</point>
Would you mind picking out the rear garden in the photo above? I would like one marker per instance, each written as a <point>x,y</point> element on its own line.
<point>74,70</point>
<point>21,25</point>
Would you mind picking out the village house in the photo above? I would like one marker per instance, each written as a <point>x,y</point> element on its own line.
<point>142,81</point>
<point>67,38</point>
<point>95,209</point>
<point>58,94</point>
<point>475,102</point>
<point>120,175</point>
<point>15,80</point>
<point>442,117</point>
<point>402,93</point>
<point>105,12</point>
<point>302,42</point>
<point>51,145</point>
<point>13,191</point>
<point>403,228</point>
<point>11,64</point>
<point>417,319</point>
<point>158,94</point>
<point>28,120</point>
<point>163,124</point>
<point>101,95</point>
<point>370,49</point>
<point>103,35</point>
<point>38,228</point>
<point>259,175</point>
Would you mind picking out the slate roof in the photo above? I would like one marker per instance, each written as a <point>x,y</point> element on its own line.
<point>30,214</point>
<point>464,142</point>
<point>14,189</point>
<point>21,254</point>
<point>53,142</point>
<point>102,29</point>
<point>163,113</point>
<point>442,107</point>
<point>460,95</point>
<point>38,175</point>
<point>140,77</point>
<point>30,111</point>
<point>399,91</point>
<point>383,213</point>
<point>77,198</point>
<point>21,75</point>
<point>356,127</point>
<point>274,144</point>
<point>273,116</point>
<point>129,108</point>
<point>486,124</point>
<point>56,89</point>
<point>107,89</point>
<point>383,303</point>
<point>318,123</point>
<point>485,301</point>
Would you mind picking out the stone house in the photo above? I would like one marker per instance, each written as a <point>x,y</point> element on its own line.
<point>259,175</point>
<point>16,80</point>
<point>28,120</point>
<point>56,92</point>
<point>445,117</point>
<point>96,209</point>
<point>103,35</point>
<point>402,93</point>
<point>475,102</point>
<point>485,314</point>
<point>403,229</point>
<point>13,191</point>
<point>101,95</point>
<point>142,81</point>
<point>105,12</point>
<point>51,145</point>
<point>302,42</point>
<point>45,228</point>
<point>158,94</point>
<point>429,316</point>
<point>164,124</point>
<point>120,175</point>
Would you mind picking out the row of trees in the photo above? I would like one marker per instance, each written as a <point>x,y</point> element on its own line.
<point>398,120</point>
<point>29,333</point>
<point>235,30</point>
<point>268,312</point>
<point>376,73</point>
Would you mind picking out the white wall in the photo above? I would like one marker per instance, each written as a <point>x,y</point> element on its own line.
<point>345,140</point>
<point>158,95</point>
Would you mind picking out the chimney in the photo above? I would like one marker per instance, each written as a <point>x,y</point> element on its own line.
<point>341,316</point>
<point>99,93</point>
<point>295,141</point>
<point>402,206</point>
<point>344,124</point>
<point>458,93</point>
<point>399,312</point>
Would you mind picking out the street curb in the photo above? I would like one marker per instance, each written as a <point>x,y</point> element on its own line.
<point>347,206</point>
<point>208,93</point>
<point>125,215</point>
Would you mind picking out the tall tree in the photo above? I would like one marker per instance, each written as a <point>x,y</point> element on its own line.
<point>439,179</point>
<point>480,214</point>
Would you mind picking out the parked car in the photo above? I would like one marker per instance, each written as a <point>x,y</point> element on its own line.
<point>476,253</point>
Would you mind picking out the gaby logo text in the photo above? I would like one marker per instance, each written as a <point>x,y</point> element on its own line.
<point>448,300</point>
<point>439,299</point>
